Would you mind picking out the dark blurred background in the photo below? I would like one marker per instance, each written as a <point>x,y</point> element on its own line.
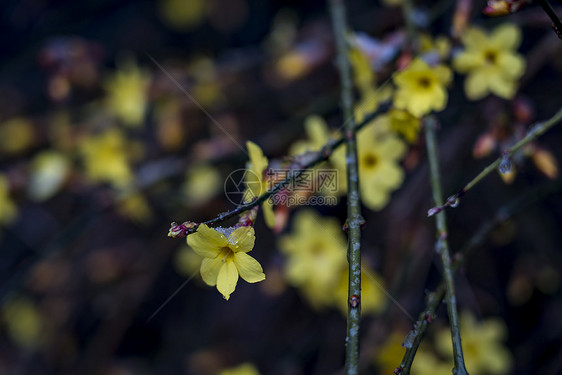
<point>87,272</point>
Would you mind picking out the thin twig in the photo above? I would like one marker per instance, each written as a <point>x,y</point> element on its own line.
<point>534,132</point>
<point>354,219</point>
<point>433,299</point>
<point>311,159</point>
<point>442,247</point>
<point>556,24</point>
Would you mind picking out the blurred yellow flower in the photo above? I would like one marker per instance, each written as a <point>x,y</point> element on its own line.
<point>390,354</point>
<point>202,182</point>
<point>48,173</point>
<point>421,88</point>
<point>364,79</point>
<point>8,209</point>
<point>318,135</point>
<point>16,136</point>
<point>491,62</point>
<point>440,46</point>
<point>255,181</point>
<point>127,92</point>
<point>133,205</point>
<point>105,158</point>
<point>182,15</point>
<point>243,369</point>
<point>225,256</point>
<point>315,256</point>
<point>378,152</point>
<point>404,123</point>
<point>363,74</point>
<point>483,350</point>
<point>23,322</point>
<point>187,262</point>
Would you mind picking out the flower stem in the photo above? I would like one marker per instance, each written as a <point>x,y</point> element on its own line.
<point>354,218</point>
<point>534,132</point>
<point>442,247</point>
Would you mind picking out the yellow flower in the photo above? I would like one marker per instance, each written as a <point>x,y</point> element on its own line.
<point>364,79</point>
<point>133,205</point>
<point>439,46</point>
<point>243,369</point>
<point>127,92</point>
<point>225,256</point>
<point>16,136</point>
<point>482,348</point>
<point>363,75</point>
<point>421,88</point>
<point>317,132</point>
<point>404,123</point>
<point>202,182</point>
<point>105,158</point>
<point>8,209</point>
<point>378,153</point>
<point>390,354</point>
<point>315,256</point>
<point>24,322</point>
<point>182,15</point>
<point>256,183</point>
<point>491,62</point>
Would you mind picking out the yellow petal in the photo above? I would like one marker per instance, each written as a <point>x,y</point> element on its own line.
<point>227,279</point>
<point>502,87</point>
<point>206,241</point>
<point>443,74</point>
<point>439,95</point>
<point>317,130</point>
<point>392,148</point>
<point>511,65</point>
<point>506,36</point>
<point>257,159</point>
<point>249,268</point>
<point>242,239</point>
<point>466,61</point>
<point>476,85</point>
<point>210,268</point>
<point>268,214</point>
<point>391,174</point>
<point>475,38</point>
<point>375,199</point>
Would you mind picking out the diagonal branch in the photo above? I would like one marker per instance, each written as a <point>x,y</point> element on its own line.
<point>310,160</point>
<point>534,132</point>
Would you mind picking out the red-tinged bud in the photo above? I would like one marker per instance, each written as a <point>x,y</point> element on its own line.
<point>496,8</point>
<point>484,145</point>
<point>545,162</point>
<point>523,110</point>
<point>180,230</point>
<point>248,218</point>
<point>281,218</point>
<point>404,60</point>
